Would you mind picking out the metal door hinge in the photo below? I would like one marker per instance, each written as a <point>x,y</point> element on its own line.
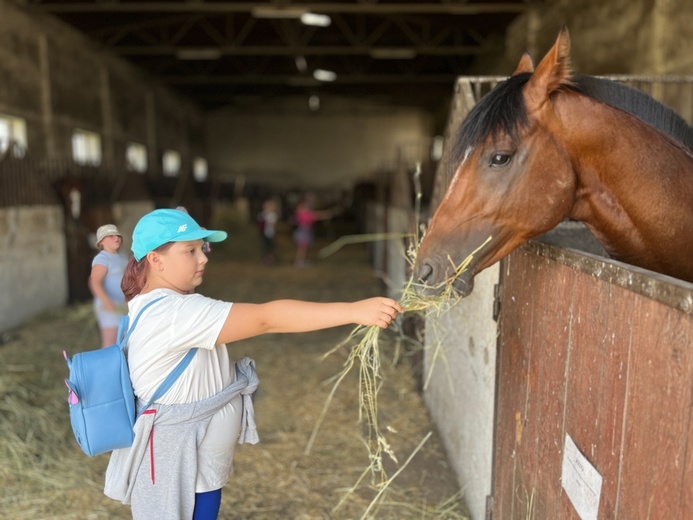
<point>496,302</point>
<point>489,507</point>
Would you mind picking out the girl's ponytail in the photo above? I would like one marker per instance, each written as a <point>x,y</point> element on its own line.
<point>134,277</point>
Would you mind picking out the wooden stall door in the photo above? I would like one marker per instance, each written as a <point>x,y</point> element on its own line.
<point>600,353</point>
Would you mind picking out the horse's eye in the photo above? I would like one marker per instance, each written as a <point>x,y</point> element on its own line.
<point>500,159</point>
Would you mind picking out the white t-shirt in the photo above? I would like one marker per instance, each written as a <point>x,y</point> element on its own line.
<point>163,336</point>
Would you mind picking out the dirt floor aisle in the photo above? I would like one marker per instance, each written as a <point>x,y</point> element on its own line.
<point>43,474</point>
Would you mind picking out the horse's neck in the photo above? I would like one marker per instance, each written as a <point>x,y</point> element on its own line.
<point>623,165</point>
<point>634,185</point>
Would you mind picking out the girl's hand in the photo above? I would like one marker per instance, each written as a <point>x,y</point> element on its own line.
<point>377,311</point>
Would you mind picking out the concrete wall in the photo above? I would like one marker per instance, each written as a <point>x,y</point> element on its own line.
<point>459,387</point>
<point>33,257</point>
<point>290,146</point>
<point>33,270</point>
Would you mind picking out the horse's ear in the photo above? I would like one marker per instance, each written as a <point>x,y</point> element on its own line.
<point>526,65</point>
<point>552,73</point>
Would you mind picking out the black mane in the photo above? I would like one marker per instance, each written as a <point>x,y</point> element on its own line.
<point>637,103</point>
<point>503,109</point>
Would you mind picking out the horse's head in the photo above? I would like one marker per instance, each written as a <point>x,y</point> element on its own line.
<point>512,181</point>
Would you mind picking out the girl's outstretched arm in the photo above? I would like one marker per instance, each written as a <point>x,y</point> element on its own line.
<point>246,320</point>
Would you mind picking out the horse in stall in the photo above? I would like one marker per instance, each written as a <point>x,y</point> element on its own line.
<point>546,145</point>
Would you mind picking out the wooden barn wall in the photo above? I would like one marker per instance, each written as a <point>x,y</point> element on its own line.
<point>57,80</point>
<point>598,352</point>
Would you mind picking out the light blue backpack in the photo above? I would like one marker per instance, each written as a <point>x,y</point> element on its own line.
<point>101,398</point>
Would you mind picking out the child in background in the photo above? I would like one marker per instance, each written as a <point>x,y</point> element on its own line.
<point>305,217</point>
<point>267,222</point>
<point>107,270</point>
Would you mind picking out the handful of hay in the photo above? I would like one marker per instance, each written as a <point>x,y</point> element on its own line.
<point>364,351</point>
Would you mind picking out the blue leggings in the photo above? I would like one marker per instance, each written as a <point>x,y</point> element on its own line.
<point>207,505</point>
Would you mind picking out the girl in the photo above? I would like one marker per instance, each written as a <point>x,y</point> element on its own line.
<point>267,220</point>
<point>208,410</point>
<point>104,282</point>
<point>305,217</point>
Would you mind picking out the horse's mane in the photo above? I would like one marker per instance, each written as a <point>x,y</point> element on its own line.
<point>637,103</point>
<point>503,109</point>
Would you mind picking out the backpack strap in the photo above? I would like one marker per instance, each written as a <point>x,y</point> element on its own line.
<point>122,327</point>
<point>171,378</point>
<point>124,321</point>
<point>175,373</point>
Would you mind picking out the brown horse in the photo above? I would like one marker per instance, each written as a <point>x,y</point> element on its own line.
<point>546,145</point>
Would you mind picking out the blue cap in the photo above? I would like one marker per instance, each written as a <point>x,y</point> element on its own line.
<point>168,225</point>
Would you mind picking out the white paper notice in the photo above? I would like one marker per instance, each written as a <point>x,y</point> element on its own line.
<point>581,481</point>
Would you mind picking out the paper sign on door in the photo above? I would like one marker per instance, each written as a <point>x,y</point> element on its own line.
<point>581,481</point>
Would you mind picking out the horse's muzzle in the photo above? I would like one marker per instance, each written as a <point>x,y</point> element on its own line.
<point>464,284</point>
<point>431,282</point>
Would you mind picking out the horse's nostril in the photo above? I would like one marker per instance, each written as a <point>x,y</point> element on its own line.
<point>425,272</point>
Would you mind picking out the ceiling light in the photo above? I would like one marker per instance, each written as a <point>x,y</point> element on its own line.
<point>316,20</point>
<point>301,64</point>
<point>437,148</point>
<point>278,12</point>
<point>210,53</point>
<point>393,53</point>
<point>324,75</point>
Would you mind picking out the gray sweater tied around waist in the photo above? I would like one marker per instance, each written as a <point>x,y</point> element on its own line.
<point>130,477</point>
